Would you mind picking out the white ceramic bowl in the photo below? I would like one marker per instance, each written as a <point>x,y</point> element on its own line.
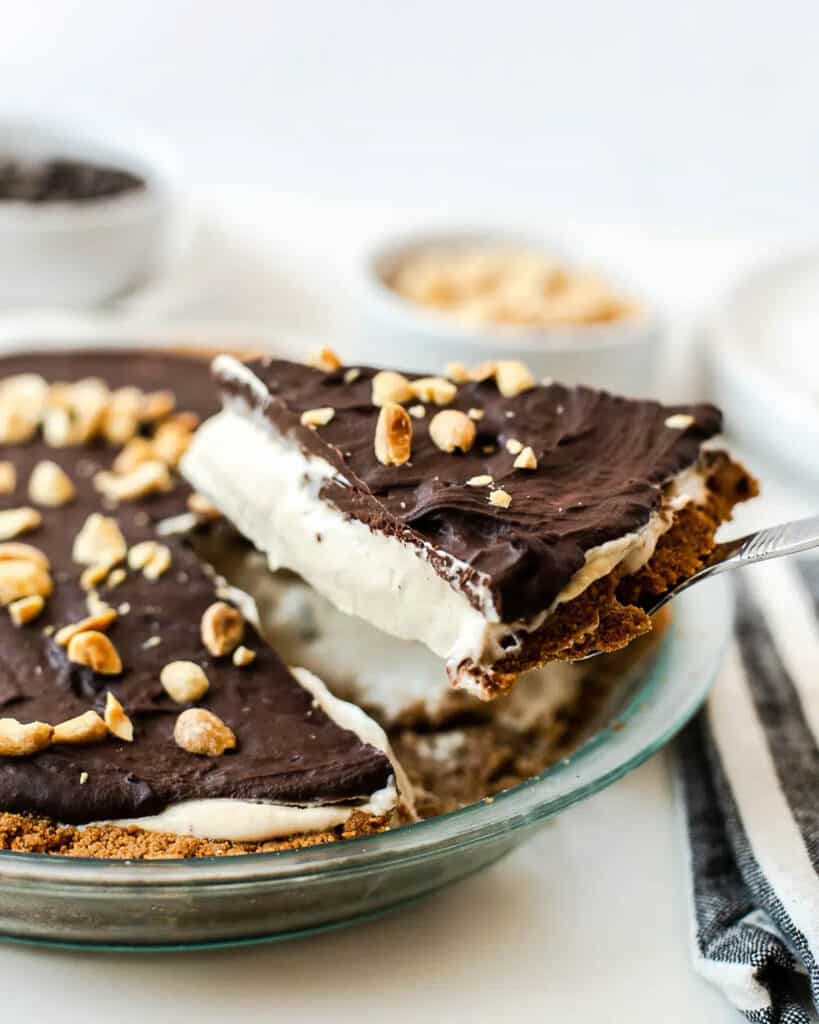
<point>77,253</point>
<point>623,356</point>
<point>761,349</point>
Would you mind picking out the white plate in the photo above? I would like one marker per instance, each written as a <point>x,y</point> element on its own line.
<point>763,351</point>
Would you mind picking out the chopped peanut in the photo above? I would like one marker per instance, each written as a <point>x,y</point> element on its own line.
<point>148,478</point>
<point>14,521</point>
<point>317,417</point>
<point>513,378</point>
<point>222,628</point>
<point>243,656</point>
<point>19,740</point>
<point>451,430</point>
<point>201,732</point>
<point>157,405</point>
<point>21,578</point>
<point>324,359</point>
<point>101,620</point>
<point>457,372</point>
<point>99,542</point>
<point>389,386</point>
<point>184,681</point>
<point>50,485</point>
<point>200,506</point>
<point>679,421</point>
<point>26,609</point>
<point>8,477</point>
<point>117,722</point>
<point>95,651</point>
<point>434,389</point>
<point>526,459</point>
<point>17,551</point>
<point>393,435</point>
<point>135,452</point>
<point>85,728</point>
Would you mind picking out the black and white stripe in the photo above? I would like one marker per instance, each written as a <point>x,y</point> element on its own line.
<point>750,778</point>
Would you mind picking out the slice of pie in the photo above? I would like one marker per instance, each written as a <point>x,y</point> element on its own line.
<point>501,522</point>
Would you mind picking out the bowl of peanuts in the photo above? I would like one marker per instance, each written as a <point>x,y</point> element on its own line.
<point>469,296</point>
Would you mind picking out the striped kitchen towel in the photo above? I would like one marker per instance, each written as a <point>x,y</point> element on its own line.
<point>750,780</point>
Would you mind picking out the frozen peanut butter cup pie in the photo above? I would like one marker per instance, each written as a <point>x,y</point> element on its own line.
<point>141,712</point>
<point>500,521</point>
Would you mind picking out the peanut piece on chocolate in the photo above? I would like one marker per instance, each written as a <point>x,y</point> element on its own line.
<point>148,478</point>
<point>389,386</point>
<point>99,621</point>
<point>85,728</point>
<point>457,372</point>
<point>513,378</point>
<point>94,650</point>
<point>243,656</point>
<point>20,578</point>
<point>452,431</point>
<point>324,359</point>
<point>200,506</point>
<point>157,405</point>
<point>21,740</point>
<point>393,435</point>
<point>122,416</point>
<point>222,628</point>
<point>117,722</point>
<point>135,452</point>
<point>184,681</point>
<point>526,459</point>
<point>14,521</point>
<point>8,477</point>
<point>317,417</point>
<point>99,542</point>
<point>26,609</point>
<point>173,437</point>
<point>482,372</point>
<point>17,551</point>
<point>679,421</point>
<point>434,389</point>
<point>50,485</point>
<point>201,732</point>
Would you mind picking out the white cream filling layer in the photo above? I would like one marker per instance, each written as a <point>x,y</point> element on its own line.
<point>269,489</point>
<point>259,820</point>
<point>397,680</point>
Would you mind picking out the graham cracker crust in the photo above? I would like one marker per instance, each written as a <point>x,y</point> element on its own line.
<point>22,834</point>
<point>610,613</point>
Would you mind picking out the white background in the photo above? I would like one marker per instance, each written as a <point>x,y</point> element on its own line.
<point>682,137</point>
<point>700,114</point>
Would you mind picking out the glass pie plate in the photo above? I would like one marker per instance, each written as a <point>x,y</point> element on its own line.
<point>243,899</point>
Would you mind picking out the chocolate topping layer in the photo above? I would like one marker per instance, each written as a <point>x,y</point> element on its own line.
<point>288,751</point>
<point>602,463</point>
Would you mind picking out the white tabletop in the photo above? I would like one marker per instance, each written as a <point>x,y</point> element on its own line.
<point>588,921</point>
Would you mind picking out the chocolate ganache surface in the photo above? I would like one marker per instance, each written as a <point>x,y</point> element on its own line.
<point>288,750</point>
<point>602,461</point>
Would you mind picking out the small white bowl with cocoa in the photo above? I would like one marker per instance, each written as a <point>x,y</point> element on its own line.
<point>82,219</point>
